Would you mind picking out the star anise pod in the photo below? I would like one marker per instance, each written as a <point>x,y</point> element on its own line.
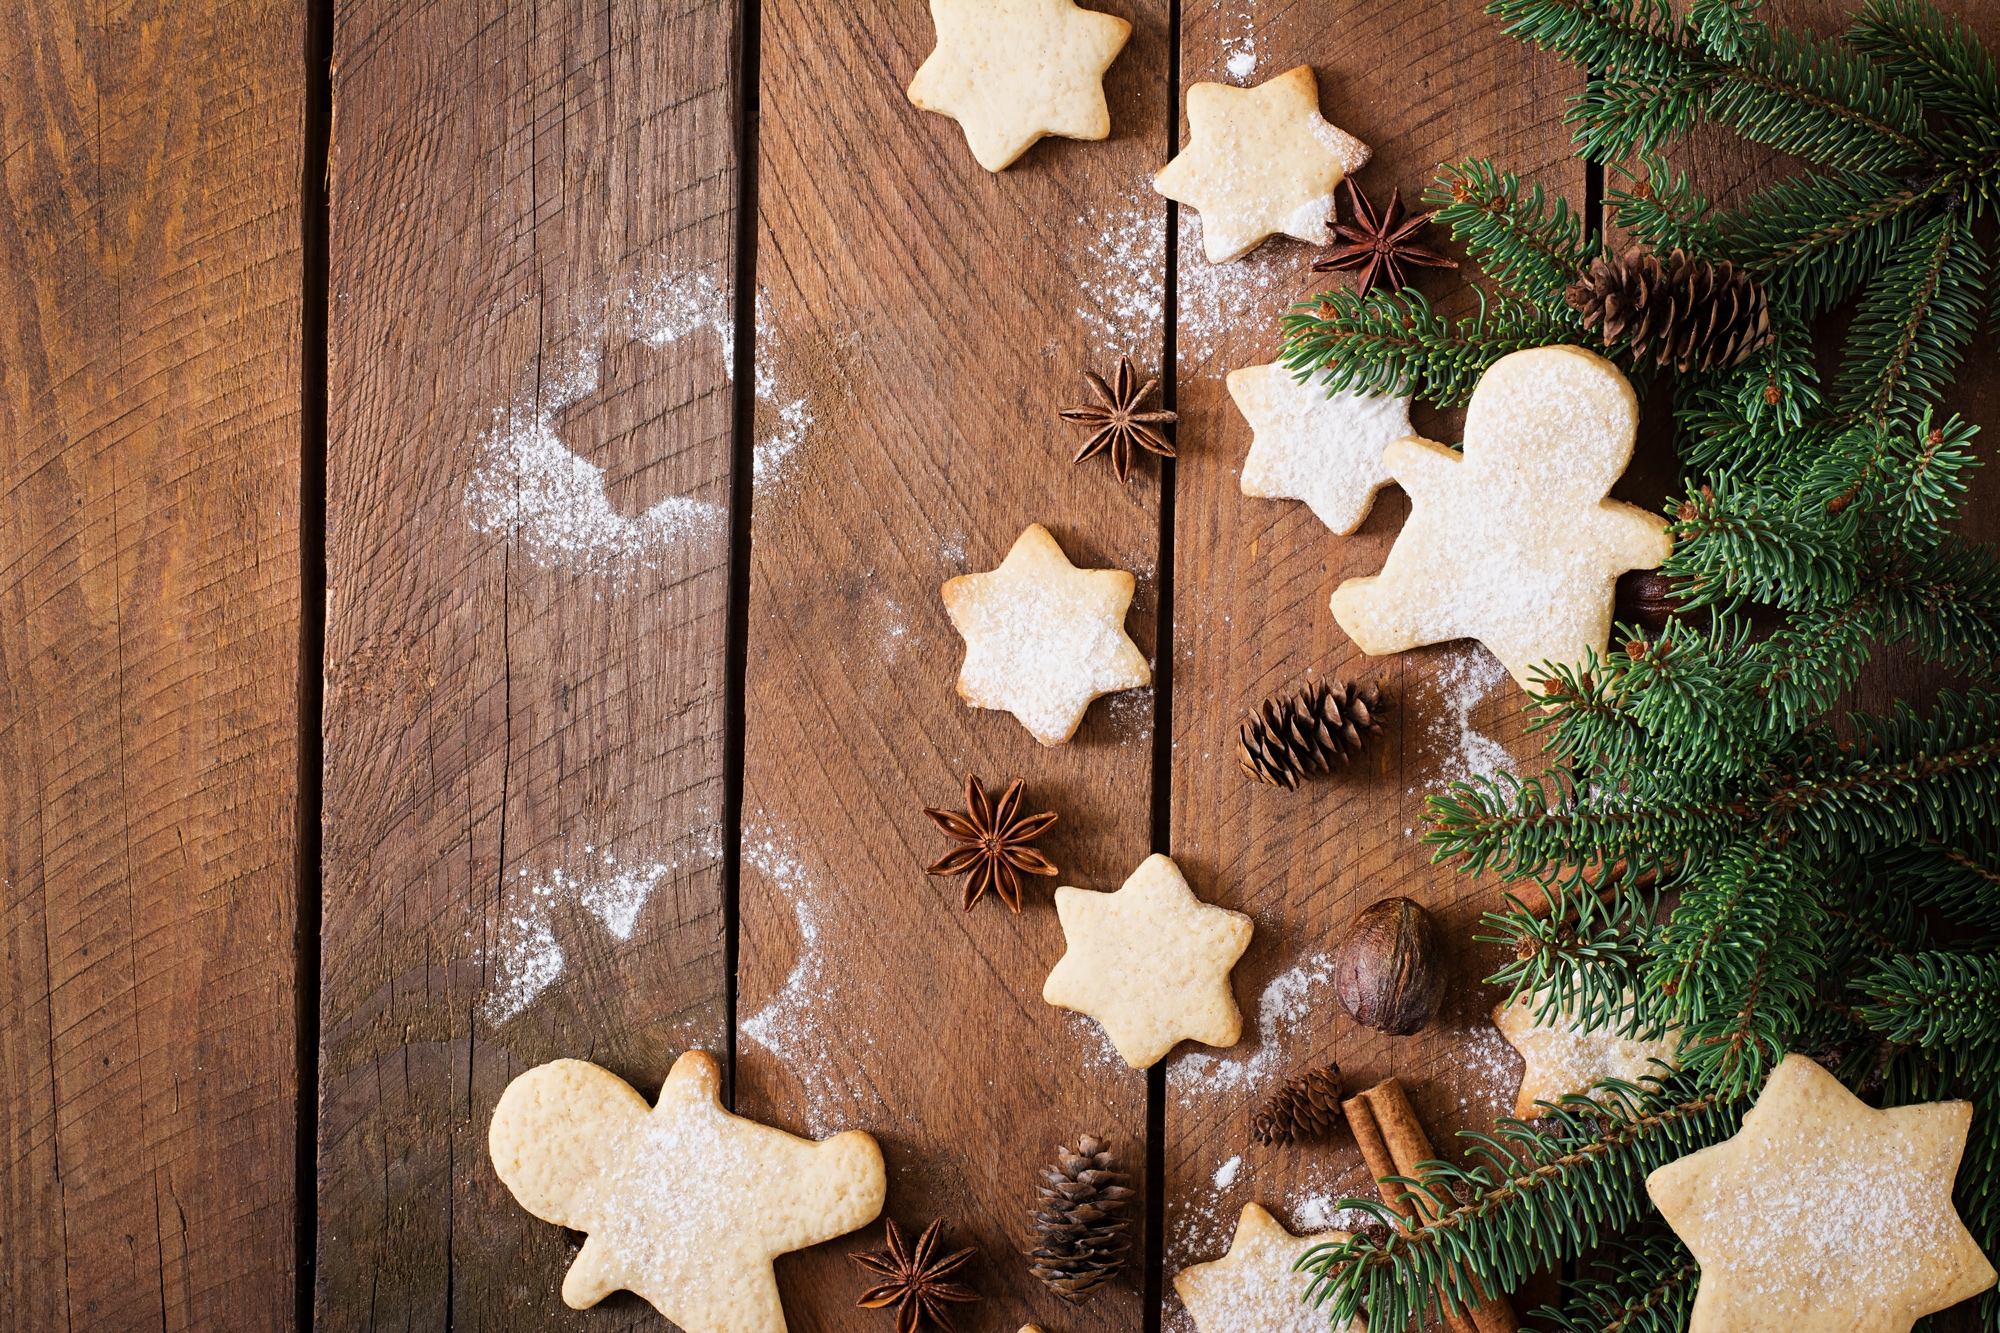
<point>1379,246</point>
<point>916,1287</point>
<point>1116,421</point>
<point>996,843</point>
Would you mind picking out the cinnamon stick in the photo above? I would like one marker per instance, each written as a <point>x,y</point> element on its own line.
<point>1393,1142</point>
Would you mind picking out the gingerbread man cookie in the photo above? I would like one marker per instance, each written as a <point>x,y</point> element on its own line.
<point>1824,1213</point>
<point>1514,543</point>
<point>1011,71</point>
<point>684,1203</point>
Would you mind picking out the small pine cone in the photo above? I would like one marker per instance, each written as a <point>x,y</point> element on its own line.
<point>1686,312</point>
<point>1308,732</point>
<point>1079,1230</point>
<point>1305,1108</point>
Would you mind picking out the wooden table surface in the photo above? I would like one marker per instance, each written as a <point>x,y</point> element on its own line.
<point>487,611</point>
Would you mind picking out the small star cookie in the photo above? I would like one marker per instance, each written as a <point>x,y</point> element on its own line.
<point>1150,963</point>
<point>686,1204</point>
<point>1823,1212</point>
<point>1011,71</point>
<point>1514,543</point>
<point>1259,161</point>
<point>1308,445</point>
<point>1255,1289</point>
<point>1561,1059</point>
<point>1044,638</point>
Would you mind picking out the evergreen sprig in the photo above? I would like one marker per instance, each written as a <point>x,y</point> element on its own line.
<point>1537,1193</point>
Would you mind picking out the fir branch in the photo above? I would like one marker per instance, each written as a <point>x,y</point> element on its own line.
<point>1817,101</point>
<point>1943,1002</point>
<point>1816,239</point>
<point>1915,322</point>
<point>1648,1285</point>
<point>1946,602</point>
<point>1732,541</point>
<point>1737,961</point>
<point>1538,1194</point>
<point>1394,343</point>
<point>1961,880</point>
<point>1660,209</point>
<point>1581,958</point>
<point>1811,661</point>
<point>1520,829</point>
<point>1936,55</point>
<point>1529,248</point>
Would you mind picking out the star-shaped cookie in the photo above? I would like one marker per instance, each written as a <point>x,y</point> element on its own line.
<point>1259,161</point>
<point>1254,1289</point>
<point>1561,1059</point>
<point>1010,71</point>
<point>684,1203</point>
<point>1044,638</point>
<point>1824,1213</point>
<point>1150,963</point>
<point>1308,445</point>
<point>1514,543</point>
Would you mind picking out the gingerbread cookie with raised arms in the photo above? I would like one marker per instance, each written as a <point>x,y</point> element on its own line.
<point>1514,543</point>
<point>684,1203</point>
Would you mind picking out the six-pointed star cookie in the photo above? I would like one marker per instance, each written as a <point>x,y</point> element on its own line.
<point>1043,638</point>
<point>1150,962</point>
<point>1307,445</point>
<point>686,1204</point>
<point>1514,543</point>
<point>1259,161</point>
<point>1255,1288</point>
<point>1561,1059</point>
<point>1824,1213</point>
<point>1010,71</point>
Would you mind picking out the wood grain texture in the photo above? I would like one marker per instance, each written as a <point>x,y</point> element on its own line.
<point>925,320</point>
<point>1421,84</point>
<point>149,602</point>
<point>529,446</point>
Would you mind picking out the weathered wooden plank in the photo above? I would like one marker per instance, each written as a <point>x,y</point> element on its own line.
<point>1421,84</point>
<point>529,440</point>
<point>149,636</point>
<point>921,322</point>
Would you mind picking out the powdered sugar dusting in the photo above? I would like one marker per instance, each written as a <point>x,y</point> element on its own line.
<point>1238,304</point>
<point>1464,680</point>
<point>1121,283</point>
<point>529,486</point>
<point>1225,1175</point>
<point>788,1024</point>
<point>675,305</point>
<point>1285,1004</point>
<point>529,959</point>
<point>789,418</point>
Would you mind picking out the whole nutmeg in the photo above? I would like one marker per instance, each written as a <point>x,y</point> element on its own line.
<point>1386,972</point>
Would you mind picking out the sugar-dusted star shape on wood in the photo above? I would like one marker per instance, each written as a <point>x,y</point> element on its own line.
<point>1044,638</point>
<point>1561,1059</point>
<point>684,1203</point>
<point>1150,963</point>
<point>1259,161</point>
<point>1011,71</point>
<point>1514,543</point>
<point>1824,1213</point>
<point>1307,445</point>
<point>1254,1289</point>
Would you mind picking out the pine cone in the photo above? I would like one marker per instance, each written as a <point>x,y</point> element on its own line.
<point>1687,312</point>
<point>1307,732</point>
<point>1079,1231</point>
<point>1305,1108</point>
